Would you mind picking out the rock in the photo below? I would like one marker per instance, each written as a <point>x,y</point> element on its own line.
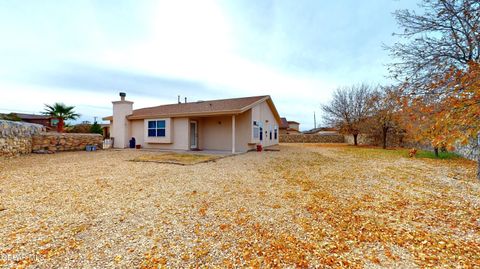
<point>43,151</point>
<point>16,137</point>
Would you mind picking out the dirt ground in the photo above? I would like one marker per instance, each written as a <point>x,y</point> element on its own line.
<point>305,206</point>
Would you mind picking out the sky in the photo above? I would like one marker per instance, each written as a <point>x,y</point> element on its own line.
<point>83,53</point>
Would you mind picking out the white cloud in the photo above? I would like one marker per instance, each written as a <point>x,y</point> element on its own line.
<point>200,41</point>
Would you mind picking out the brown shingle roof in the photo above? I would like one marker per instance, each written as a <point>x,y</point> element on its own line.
<point>199,108</point>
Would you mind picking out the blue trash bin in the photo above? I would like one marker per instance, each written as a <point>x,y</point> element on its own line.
<point>132,143</point>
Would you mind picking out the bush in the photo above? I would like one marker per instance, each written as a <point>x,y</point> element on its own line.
<point>10,117</point>
<point>80,128</point>
<point>96,128</point>
<point>441,155</point>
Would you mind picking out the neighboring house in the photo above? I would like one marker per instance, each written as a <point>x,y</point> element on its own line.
<point>322,131</point>
<point>289,127</point>
<point>45,120</point>
<point>106,130</point>
<point>294,126</point>
<point>236,125</point>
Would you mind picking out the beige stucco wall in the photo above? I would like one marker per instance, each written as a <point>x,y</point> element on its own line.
<point>244,134</point>
<point>263,114</point>
<point>215,133</point>
<point>177,129</point>
<point>120,125</point>
<point>136,130</point>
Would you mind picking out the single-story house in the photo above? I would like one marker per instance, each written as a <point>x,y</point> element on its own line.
<point>236,125</point>
<point>289,127</point>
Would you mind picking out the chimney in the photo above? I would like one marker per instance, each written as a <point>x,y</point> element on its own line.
<point>185,100</point>
<point>120,127</point>
<point>179,99</point>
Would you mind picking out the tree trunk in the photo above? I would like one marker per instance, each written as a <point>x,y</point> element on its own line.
<point>355,139</point>
<point>60,125</point>
<point>478,156</point>
<point>478,164</point>
<point>435,149</point>
<point>384,137</point>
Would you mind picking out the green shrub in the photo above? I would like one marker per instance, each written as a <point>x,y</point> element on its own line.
<point>96,128</point>
<point>441,155</point>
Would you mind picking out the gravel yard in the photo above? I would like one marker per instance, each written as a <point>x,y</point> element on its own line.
<point>304,206</point>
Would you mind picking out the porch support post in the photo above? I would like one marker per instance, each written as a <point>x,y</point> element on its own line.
<point>233,133</point>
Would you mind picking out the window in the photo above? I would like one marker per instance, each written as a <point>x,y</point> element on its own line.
<point>270,134</point>
<point>276,132</point>
<point>256,132</point>
<point>156,128</point>
<point>261,133</point>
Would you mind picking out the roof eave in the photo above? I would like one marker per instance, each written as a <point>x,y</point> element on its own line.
<point>266,98</point>
<point>274,110</point>
<point>179,115</point>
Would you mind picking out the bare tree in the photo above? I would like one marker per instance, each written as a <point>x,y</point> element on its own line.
<point>446,35</point>
<point>385,108</point>
<point>349,109</point>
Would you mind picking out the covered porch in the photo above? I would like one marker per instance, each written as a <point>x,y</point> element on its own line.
<point>223,133</point>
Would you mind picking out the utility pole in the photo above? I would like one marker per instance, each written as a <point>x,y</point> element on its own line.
<point>314,120</point>
<point>95,119</point>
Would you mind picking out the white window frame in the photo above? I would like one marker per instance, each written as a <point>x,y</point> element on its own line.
<point>167,139</point>
<point>156,128</point>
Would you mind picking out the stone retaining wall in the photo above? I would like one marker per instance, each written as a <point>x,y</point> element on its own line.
<point>23,138</point>
<point>65,141</point>
<point>393,140</point>
<point>311,138</point>
<point>470,151</point>
<point>16,137</point>
<point>362,139</point>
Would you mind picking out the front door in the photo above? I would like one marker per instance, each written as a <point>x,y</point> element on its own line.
<point>193,135</point>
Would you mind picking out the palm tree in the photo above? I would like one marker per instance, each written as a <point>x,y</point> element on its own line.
<point>62,112</point>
